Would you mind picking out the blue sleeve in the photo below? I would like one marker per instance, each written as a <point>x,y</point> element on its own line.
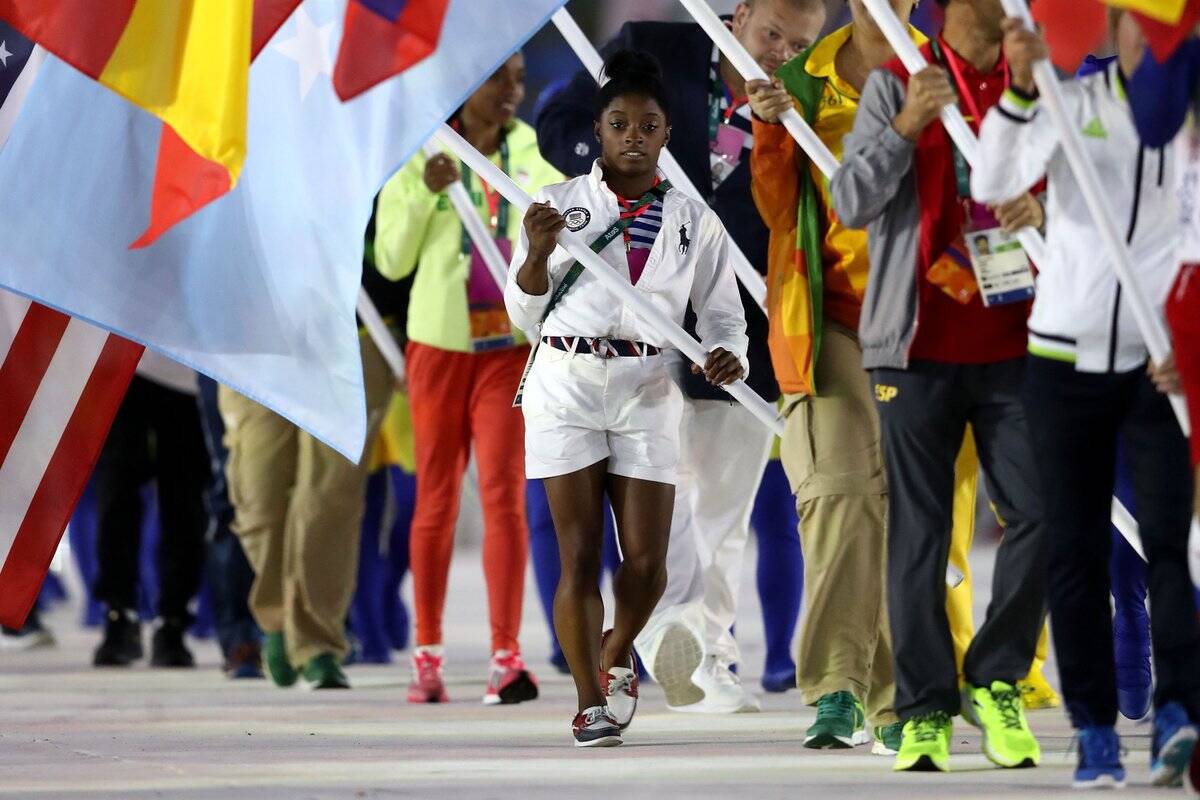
<point>1160,94</point>
<point>565,130</point>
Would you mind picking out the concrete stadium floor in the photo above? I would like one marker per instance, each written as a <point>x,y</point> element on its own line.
<point>72,732</point>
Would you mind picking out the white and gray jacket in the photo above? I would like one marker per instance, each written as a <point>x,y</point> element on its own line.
<point>689,261</point>
<point>1079,314</point>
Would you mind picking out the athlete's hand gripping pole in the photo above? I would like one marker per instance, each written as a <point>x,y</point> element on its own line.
<point>620,287</point>
<point>745,64</point>
<point>480,237</point>
<point>1150,324</point>
<point>964,138</point>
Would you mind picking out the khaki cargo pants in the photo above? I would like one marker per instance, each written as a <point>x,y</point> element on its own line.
<point>298,513</point>
<point>832,455</point>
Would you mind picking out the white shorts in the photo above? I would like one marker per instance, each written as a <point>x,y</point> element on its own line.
<point>581,409</point>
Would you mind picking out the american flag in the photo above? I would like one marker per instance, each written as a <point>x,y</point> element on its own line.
<point>61,381</point>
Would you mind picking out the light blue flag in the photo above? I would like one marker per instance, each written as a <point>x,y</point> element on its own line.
<point>258,289</point>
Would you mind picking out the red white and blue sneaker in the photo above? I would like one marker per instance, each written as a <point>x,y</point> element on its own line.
<point>427,684</point>
<point>620,687</point>
<point>595,727</point>
<point>509,681</point>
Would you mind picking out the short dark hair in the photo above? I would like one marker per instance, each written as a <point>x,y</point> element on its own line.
<point>632,72</point>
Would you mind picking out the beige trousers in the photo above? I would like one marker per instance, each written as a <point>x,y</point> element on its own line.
<point>833,458</point>
<point>298,508</point>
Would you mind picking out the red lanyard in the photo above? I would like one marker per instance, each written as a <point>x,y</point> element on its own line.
<point>734,104</point>
<point>965,94</point>
<point>631,210</point>
<point>493,199</point>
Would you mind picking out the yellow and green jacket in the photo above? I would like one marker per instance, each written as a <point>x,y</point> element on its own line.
<point>817,267</point>
<point>416,229</point>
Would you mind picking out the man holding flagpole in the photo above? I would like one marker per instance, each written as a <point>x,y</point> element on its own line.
<point>946,350</point>
<point>688,645</point>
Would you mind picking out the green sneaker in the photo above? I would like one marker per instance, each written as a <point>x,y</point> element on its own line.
<point>841,723</point>
<point>275,655</point>
<point>998,712</point>
<point>925,744</point>
<point>324,672</point>
<point>887,739</point>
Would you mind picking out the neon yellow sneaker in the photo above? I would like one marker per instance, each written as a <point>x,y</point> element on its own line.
<point>1036,692</point>
<point>998,712</point>
<point>925,744</point>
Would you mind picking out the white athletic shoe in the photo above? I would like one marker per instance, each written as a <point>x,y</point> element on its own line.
<point>723,691</point>
<point>675,662</point>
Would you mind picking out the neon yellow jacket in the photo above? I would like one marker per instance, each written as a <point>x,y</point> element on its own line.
<point>417,229</point>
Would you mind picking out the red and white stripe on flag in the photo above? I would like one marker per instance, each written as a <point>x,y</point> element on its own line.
<point>61,382</point>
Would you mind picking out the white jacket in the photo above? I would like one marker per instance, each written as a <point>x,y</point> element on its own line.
<point>689,261</point>
<point>1079,314</point>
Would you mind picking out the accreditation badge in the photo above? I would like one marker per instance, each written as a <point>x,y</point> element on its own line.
<point>725,152</point>
<point>1001,266</point>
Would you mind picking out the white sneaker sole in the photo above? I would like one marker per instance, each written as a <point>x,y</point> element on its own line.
<point>1174,759</point>
<point>881,749</point>
<point>607,741</point>
<point>1103,782</point>
<point>678,657</point>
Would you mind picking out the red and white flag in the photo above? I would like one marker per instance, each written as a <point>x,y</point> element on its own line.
<point>61,382</point>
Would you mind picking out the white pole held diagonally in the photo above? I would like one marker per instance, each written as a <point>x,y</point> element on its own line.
<point>897,35</point>
<point>480,237</point>
<point>1150,324</point>
<point>620,287</point>
<point>380,334</point>
<point>964,138</point>
<point>744,63</point>
<point>594,64</point>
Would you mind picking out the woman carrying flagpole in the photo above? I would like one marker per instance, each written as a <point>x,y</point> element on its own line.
<point>464,361</point>
<point>602,410</point>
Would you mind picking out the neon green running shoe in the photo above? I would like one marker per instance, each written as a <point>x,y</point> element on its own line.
<point>925,744</point>
<point>998,712</point>
<point>841,723</point>
<point>887,739</point>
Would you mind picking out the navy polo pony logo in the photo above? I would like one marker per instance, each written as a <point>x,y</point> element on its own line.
<point>684,241</point>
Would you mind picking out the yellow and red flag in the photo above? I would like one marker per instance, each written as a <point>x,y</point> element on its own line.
<point>185,61</point>
<point>1074,29</point>
<point>1166,11</point>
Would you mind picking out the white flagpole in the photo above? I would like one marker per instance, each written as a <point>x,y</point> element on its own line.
<point>378,330</point>
<point>896,34</point>
<point>744,63</point>
<point>496,263</point>
<point>964,138</point>
<point>1151,325</point>
<point>619,286</point>
<point>593,63</point>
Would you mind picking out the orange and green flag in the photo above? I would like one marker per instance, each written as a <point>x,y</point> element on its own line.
<point>185,61</point>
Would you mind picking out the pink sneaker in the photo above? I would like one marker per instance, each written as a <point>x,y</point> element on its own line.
<point>508,680</point>
<point>427,685</point>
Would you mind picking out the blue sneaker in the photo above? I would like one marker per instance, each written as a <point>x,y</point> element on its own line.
<point>1174,741</point>
<point>777,681</point>
<point>1099,759</point>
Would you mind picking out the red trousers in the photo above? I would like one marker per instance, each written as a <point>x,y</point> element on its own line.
<point>1183,314</point>
<point>459,400</point>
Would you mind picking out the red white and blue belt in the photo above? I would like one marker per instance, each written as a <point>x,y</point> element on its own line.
<point>604,348</point>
